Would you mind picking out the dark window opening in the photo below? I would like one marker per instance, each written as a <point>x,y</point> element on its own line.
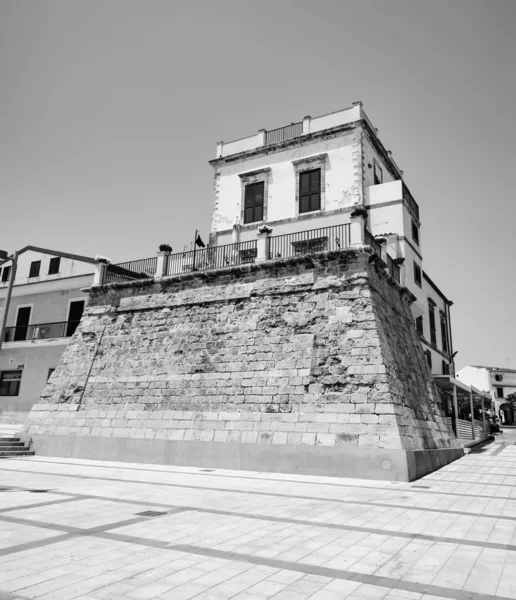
<point>499,392</point>
<point>10,383</point>
<point>417,275</point>
<point>415,232</point>
<point>54,265</point>
<point>445,367</point>
<point>429,358</point>
<point>378,174</point>
<point>394,269</point>
<point>35,268</point>
<point>419,325</point>
<point>22,324</point>
<point>310,191</point>
<point>253,203</point>
<point>5,273</point>
<point>444,331</point>
<point>74,316</point>
<point>431,317</point>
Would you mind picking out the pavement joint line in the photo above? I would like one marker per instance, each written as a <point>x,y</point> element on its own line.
<point>40,504</point>
<point>258,493</point>
<point>69,532</point>
<point>321,524</point>
<point>300,567</point>
<point>477,483</point>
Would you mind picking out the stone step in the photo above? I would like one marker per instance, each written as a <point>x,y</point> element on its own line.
<point>9,439</point>
<point>14,453</point>
<point>12,446</point>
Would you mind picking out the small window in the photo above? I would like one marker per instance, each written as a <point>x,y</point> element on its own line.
<point>378,173</point>
<point>429,358</point>
<point>444,331</point>
<point>253,209</point>
<point>445,367</point>
<point>431,318</point>
<point>10,383</point>
<point>499,392</point>
<point>417,275</point>
<point>6,273</point>
<point>34,268</point>
<point>50,371</point>
<point>310,191</point>
<point>419,325</point>
<point>53,267</point>
<point>415,232</point>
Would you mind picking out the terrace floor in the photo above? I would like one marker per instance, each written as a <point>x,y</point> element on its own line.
<point>253,536</point>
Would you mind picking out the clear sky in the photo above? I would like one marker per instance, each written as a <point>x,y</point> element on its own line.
<point>110,111</point>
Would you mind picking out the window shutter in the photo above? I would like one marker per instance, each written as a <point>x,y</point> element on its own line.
<point>253,207</point>
<point>310,191</point>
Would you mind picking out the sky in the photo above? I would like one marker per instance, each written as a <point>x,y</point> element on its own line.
<point>111,110</point>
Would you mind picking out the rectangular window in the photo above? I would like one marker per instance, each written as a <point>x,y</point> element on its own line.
<point>54,265</point>
<point>10,383</point>
<point>253,208</point>
<point>431,318</point>
<point>499,392</point>
<point>445,367</point>
<point>394,269</point>
<point>310,191</point>
<point>444,331</point>
<point>6,273</point>
<point>419,325</point>
<point>415,232</point>
<point>417,275</point>
<point>35,266</point>
<point>22,323</point>
<point>429,358</point>
<point>378,173</point>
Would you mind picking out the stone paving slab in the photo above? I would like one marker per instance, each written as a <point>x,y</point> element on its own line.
<point>78,529</point>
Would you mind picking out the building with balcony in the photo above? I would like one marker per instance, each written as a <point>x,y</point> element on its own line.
<point>307,182</point>
<point>499,382</point>
<point>45,308</point>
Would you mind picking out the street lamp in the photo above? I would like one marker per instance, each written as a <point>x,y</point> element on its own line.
<point>14,259</point>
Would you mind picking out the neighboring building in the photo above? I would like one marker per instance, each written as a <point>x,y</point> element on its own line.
<point>313,175</point>
<point>46,306</point>
<point>499,382</point>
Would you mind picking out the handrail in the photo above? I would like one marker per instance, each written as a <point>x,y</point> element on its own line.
<point>40,331</point>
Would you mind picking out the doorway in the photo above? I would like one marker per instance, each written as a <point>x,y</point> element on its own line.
<point>74,316</point>
<point>22,323</point>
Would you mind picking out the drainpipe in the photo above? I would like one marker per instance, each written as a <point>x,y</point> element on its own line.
<point>8,296</point>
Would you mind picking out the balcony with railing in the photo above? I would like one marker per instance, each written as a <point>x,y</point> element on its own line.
<point>391,191</point>
<point>41,331</point>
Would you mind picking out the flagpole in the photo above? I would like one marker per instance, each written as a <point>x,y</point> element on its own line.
<point>194,249</point>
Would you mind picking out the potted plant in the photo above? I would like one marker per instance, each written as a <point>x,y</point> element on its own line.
<point>264,229</point>
<point>102,259</point>
<point>359,212</point>
<point>165,248</point>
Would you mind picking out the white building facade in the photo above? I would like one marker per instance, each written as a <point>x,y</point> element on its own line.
<point>317,175</point>
<point>45,308</point>
<point>499,382</point>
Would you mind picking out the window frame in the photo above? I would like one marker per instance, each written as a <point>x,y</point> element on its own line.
<point>429,358</point>
<point>415,229</point>
<point>444,332</point>
<point>432,322</point>
<point>6,269</point>
<point>376,167</point>
<point>304,165</point>
<point>309,174</point>
<point>249,178</point>
<point>499,392</point>
<point>54,260</point>
<point>418,275</point>
<point>31,268</point>
<point>420,325</point>
<point>248,187</point>
<point>18,381</point>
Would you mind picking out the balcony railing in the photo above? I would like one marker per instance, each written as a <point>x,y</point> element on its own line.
<point>308,242</point>
<point>128,271</point>
<point>214,257</point>
<point>284,133</point>
<point>412,204</point>
<point>42,331</point>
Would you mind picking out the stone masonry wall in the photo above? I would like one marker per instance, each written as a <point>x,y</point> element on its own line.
<point>311,351</point>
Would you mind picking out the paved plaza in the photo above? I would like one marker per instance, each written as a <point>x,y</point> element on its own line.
<point>103,530</point>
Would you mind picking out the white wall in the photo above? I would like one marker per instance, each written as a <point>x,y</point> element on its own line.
<point>340,182</point>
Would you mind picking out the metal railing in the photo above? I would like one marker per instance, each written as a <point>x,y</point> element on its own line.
<point>214,257</point>
<point>308,242</point>
<point>412,204</point>
<point>284,133</point>
<point>128,271</point>
<point>41,331</point>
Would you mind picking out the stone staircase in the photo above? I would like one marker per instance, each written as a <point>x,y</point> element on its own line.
<point>12,447</point>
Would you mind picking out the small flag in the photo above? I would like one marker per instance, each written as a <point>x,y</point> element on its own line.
<point>199,242</point>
